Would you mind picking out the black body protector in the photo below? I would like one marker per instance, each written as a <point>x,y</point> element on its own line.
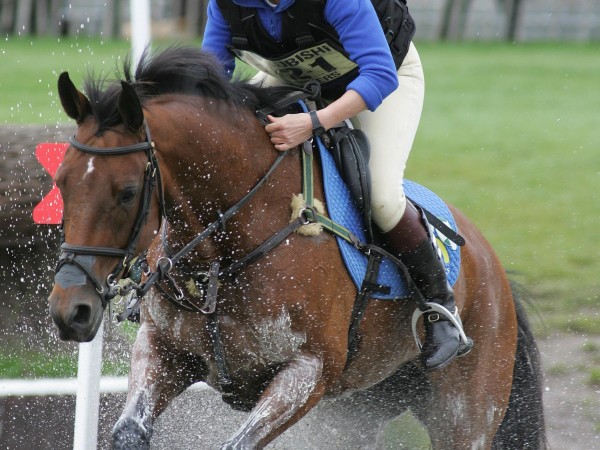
<point>310,48</point>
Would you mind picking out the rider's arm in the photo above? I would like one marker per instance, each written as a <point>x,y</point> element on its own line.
<point>360,33</point>
<point>292,129</point>
<point>217,36</point>
<point>377,77</point>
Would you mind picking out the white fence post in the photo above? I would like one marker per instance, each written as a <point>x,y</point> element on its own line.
<point>87,405</point>
<point>139,12</point>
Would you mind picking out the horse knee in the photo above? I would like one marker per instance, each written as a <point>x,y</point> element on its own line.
<point>129,434</point>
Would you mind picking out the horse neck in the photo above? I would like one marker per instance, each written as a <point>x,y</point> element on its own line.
<point>211,154</point>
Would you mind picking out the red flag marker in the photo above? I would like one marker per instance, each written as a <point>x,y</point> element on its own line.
<point>50,209</point>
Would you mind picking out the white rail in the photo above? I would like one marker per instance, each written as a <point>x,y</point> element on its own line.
<point>42,387</point>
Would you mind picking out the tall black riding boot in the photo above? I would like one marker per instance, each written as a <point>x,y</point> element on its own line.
<point>410,240</point>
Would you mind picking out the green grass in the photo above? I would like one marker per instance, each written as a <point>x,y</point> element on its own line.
<point>29,69</point>
<point>591,348</point>
<point>59,360</point>
<point>559,369</point>
<point>509,134</point>
<point>31,364</point>
<point>406,432</point>
<point>594,378</point>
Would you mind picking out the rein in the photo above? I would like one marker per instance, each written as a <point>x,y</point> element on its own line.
<point>165,264</point>
<point>214,274</point>
<point>70,254</point>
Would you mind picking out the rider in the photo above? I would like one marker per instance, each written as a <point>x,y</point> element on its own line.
<point>380,89</point>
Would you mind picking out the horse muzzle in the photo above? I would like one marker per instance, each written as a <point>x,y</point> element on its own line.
<point>76,306</point>
<point>77,313</point>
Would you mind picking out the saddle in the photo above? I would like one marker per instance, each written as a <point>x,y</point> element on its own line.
<point>351,151</point>
<point>372,259</point>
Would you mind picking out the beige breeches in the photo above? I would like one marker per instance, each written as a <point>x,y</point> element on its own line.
<point>391,129</point>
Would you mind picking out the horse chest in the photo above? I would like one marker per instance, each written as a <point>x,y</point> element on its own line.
<point>267,341</point>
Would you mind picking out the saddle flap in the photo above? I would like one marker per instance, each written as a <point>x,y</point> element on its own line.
<point>351,151</point>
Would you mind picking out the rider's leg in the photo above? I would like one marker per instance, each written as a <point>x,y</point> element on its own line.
<point>391,130</point>
<point>409,239</point>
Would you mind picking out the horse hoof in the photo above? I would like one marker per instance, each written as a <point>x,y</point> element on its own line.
<point>128,434</point>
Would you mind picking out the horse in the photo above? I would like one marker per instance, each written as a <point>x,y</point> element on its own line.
<point>173,160</point>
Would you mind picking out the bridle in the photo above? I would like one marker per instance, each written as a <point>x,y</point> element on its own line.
<point>70,254</point>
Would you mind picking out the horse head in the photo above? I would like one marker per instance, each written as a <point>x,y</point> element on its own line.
<point>110,209</point>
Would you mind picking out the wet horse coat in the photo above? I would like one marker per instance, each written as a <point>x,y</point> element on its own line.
<point>283,320</point>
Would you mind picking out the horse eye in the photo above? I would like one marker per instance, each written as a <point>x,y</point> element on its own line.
<point>128,195</point>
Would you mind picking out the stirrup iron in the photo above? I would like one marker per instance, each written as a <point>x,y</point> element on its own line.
<point>466,343</point>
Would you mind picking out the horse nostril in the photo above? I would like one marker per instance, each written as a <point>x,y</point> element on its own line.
<point>82,315</point>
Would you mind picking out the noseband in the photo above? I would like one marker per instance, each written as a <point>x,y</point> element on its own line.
<point>70,254</point>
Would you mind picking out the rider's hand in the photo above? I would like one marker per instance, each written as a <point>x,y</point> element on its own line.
<point>289,131</point>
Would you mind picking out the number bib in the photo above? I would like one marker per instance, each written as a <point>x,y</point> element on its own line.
<point>322,62</point>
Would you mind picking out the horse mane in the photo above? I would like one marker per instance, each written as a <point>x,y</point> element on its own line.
<point>174,70</point>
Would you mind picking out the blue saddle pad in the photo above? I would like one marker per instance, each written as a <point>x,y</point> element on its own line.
<point>342,210</point>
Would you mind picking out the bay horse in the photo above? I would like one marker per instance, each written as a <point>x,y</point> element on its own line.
<point>160,160</point>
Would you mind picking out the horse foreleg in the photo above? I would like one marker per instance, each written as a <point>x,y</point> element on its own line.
<point>292,393</point>
<point>157,375</point>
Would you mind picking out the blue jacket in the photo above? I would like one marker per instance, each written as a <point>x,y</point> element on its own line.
<point>357,25</point>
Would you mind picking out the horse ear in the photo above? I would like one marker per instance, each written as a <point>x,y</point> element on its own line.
<point>130,108</point>
<point>76,105</point>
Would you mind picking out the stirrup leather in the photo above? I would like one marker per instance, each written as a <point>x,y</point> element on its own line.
<point>465,343</point>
